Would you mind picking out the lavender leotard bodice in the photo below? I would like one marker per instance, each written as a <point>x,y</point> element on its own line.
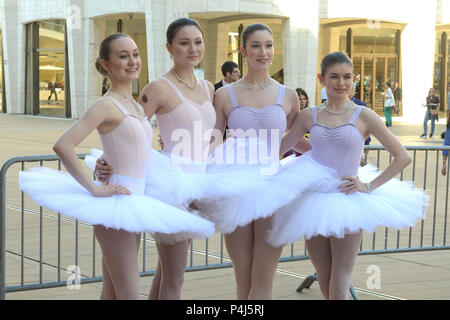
<point>127,147</point>
<point>268,121</point>
<point>339,147</point>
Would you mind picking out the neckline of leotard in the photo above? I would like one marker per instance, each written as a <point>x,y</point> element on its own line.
<point>351,121</point>
<point>126,113</point>
<point>235,105</point>
<point>183,98</point>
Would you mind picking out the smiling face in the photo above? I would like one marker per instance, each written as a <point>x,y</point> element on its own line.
<point>259,50</point>
<point>124,63</point>
<point>337,80</point>
<point>187,47</point>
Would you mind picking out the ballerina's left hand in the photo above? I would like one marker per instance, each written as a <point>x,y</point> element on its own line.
<point>353,184</point>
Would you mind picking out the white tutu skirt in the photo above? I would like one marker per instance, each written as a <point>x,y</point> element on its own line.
<point>136,212</point>
<point>327,212</point>
<point>230,192</point>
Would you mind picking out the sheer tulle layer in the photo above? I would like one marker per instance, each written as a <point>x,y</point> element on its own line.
<point>58,191</point>
<point>327,212</point>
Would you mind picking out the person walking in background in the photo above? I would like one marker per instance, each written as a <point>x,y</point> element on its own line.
<point>52,91</point>
<point>230,72</point>
<point>397,97</point>
<point>448,98</point>
<point>446,143</point>
<point>432,104</point>
<point>389,103</point>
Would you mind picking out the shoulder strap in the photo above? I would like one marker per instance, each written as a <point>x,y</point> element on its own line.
<point>281,94</point>
<point>118,105</point>
<point>355,114</point>
<point>314,115</point>
<point>205,85</point>
<point>232,96</point>
<point>174,87</point>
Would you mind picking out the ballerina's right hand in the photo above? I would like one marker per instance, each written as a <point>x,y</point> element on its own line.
<point>109,190</point>
<point>102,170</point>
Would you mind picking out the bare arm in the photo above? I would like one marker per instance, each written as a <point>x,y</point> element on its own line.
<point>401,158</point>
<point>302,145</point>
<point>96,116</point>
<point>220,103</point>
<point>295,136</point>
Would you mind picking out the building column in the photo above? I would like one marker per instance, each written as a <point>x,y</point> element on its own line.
<point>13,55</point>
<point>417,47</point>
<point>300,44</point>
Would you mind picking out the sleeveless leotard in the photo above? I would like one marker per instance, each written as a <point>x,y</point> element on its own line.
<point>186,130</point>
<point>340,147</point>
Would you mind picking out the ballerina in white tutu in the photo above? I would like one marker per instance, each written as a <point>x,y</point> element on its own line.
<point>260,104</point>
<point>331,217</point>
<point>119,211</point>
<point>184,103</point>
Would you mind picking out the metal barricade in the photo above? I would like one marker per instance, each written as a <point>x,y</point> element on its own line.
<point>45,249</point>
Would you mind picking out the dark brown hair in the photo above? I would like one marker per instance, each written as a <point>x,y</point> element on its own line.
<point>105,51</point>
<point>332,59</point>
<point>251,29</point>
<point>302,92</point>
<point>176,25</point>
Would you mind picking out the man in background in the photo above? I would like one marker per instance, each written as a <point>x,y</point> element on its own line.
<point>231,73</point>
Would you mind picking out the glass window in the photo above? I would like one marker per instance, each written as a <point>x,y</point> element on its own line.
<point>373,41</point>
<point>51,67</point>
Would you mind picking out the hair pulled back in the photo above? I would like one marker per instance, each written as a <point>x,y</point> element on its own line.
<point>105,51</point>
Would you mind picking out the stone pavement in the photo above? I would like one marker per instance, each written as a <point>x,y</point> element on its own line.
<point>417,275</point>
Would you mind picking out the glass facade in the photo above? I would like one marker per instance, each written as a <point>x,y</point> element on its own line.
<point>51,67</point>
<point>46,85</point>
<point>375,53</point>
<point>441,74</point>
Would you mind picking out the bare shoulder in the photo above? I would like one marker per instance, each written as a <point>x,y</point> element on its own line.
<point>221,94</point>
<point>368,115</point>
<point>306,113</point>
<point>155,86</point>
<point>102,104</point>
<point>291,93</point>
<point>103,109</point>
<point>210,87</point>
